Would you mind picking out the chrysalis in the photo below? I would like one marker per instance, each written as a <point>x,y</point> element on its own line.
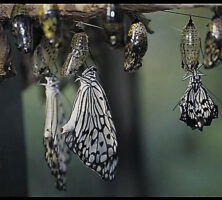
<point>136,46</point>
<point>51,24</point>
<point>114,26</point>
<point>90,132</point>
<point>190,47</point>
<point>78,54</point>
<point>21,27</point>
<point>44,57</point>
<point>6,69</point>
<point>56,152</point>
<point>196,106</point>
<point>213,42</point>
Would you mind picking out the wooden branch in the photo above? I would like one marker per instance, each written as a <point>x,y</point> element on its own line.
<point>86,11</point>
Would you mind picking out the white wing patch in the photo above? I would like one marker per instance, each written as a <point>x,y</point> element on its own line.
<point>90,132</point>
<point>56,152</point>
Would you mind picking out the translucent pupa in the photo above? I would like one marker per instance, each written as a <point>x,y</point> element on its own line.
<point>21,27</point>
<point>44,57</point>
<point>78,53</point>
<point>190,47</point>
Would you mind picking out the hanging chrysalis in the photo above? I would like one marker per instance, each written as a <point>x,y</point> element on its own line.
<point>51,24</point>
<point>213,42</point>
<point>196,106</point>
<point>114,26</point>
<point>78,54</point>
<point>6,69</point>
<point>21,27</point>
<point>44,57</point>
<point>190,47</point>
<point>136,46</point>
<point>90,132</point>
<point>56,152</point>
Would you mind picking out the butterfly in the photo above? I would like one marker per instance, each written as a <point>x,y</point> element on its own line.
<point>90,132</point>
<point>196,106</point>
<point>57,154</point>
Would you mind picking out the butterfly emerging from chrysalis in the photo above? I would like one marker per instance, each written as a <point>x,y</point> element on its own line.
<point>21,27</point>
<point>6,68</point>
<point>56,151</point>
<point>196,106</point>
<point>78,54</point>
<point>213,42</point>
<point>90,132</point>
<point>136,44</point>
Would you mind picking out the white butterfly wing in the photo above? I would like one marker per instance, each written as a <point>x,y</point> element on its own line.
<point>90,131</point>
<point>56,152</point>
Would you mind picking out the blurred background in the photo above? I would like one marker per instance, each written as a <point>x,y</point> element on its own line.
<point>158,154</point>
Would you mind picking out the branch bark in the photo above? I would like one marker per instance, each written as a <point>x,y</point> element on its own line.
<point>86,11</point>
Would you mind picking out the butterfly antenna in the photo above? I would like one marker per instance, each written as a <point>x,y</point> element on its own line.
<point>176,105</point>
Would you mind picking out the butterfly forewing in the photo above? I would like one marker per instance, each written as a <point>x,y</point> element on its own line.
<point>90,132</point>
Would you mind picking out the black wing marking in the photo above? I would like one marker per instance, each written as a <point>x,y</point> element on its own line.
<point>90,130</point>
<point>197,108</point>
